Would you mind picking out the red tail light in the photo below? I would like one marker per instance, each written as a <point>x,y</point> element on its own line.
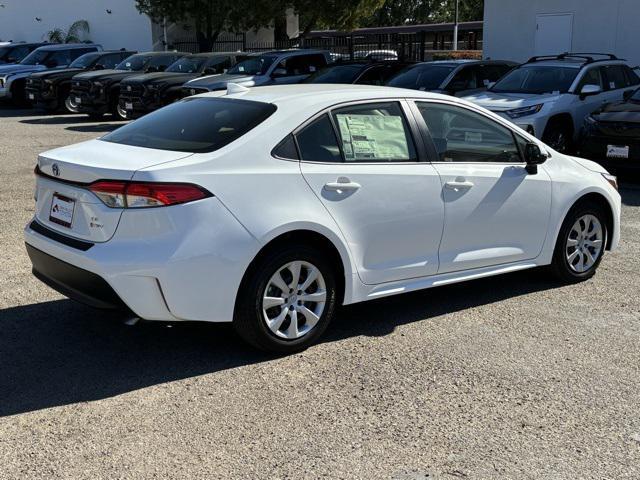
<point>118,194</point>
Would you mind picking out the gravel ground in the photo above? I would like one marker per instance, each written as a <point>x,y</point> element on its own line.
<point>512,377</point>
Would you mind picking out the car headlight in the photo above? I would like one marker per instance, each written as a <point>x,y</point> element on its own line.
<point>612,179</point>
<point>524,111</point>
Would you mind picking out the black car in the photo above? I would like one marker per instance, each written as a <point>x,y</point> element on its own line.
<point>144,93</point>
<point>14,52</point>
<point>51,89</point>
<point>451,77</point>
<point>358,72</point>
<point>611,134</point>
<point>97,93</point>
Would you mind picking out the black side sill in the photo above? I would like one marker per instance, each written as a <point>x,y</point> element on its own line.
<point>58,237</point>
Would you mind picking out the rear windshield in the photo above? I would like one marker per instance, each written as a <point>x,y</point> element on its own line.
<point>537,80</point>
<point>195,125</point>
<point>421,77</point>
<point>336,74</point>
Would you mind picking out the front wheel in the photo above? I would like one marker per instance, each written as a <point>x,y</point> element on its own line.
<point>581,243</point>
<point>70,106</point>
<point>119,112</point>
<point>287,300</point>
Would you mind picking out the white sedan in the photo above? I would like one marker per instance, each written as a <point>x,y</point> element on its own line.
<point>271,207</point>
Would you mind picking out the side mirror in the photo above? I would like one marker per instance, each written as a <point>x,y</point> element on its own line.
<point>589,89</point>
<point>279,72</point>
<point>533,156</point>
<point>628,94</point>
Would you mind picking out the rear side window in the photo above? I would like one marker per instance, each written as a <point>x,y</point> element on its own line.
<point>194,125</point>
<point>374,132</point>
<point>317,142</point>
<point>465,79</point>
<point>591,77</point>
<point>491,73</point>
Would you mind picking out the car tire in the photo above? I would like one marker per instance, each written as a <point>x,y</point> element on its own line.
<point>580,244</point>
<point>559,136</point>
<point>68,105</point>
<point>117,111</point>
<point>265,313</point>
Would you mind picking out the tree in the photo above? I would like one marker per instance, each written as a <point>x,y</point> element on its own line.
<point>335,14</point>
<point>403,12</point>
<point>78,32</point>
<point>212,17</point>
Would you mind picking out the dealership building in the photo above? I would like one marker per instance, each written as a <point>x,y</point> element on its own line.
<point>519,29</point>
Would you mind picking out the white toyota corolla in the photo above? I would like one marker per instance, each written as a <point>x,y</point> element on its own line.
<point>272,206</point>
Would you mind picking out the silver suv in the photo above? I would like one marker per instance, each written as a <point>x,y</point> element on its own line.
<point>269,68</point>
<point>550,96</point>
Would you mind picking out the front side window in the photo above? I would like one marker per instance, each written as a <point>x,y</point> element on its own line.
<point>335,74</point>
<point>85,60</point>
<point>615,77</point>
<point>421,77</point>
<point>460,135</point>
<point>195,125</point>
<point>465,79</point>
<point>591,77</point>
<point>537,80</point>
<point>188,65</point>
<point>374,133</point>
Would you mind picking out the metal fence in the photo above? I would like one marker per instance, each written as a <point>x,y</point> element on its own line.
<point>418,46</point>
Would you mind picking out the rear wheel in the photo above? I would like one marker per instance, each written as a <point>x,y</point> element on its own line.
<point>70,106</point>
<point>581,243</point>
<point>287,300</point>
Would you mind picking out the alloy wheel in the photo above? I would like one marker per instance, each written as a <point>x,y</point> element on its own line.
<point>121,112</point>
<point>293,300</point>
<point>584,243</point>
<point>70,105</point>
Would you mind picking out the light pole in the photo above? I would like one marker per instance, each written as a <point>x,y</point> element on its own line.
<point>455,26</point>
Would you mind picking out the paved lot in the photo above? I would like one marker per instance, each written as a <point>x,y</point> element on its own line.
<point>513,377</point>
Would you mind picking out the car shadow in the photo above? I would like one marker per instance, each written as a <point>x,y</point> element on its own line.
<point>102,127</point>
<point>57,119</point>
<point>11,111</point>
<point>60,352</point>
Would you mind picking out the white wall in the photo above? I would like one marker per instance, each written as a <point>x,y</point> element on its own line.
<point>123,28</point>
<point>610,26</point>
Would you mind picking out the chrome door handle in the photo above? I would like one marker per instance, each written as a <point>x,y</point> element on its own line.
<point>458,185</point>
<point>343,184</point>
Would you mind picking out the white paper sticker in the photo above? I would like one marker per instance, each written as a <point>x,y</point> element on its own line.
<point>366,137</point>
<point>473,137</point>
<point>612,85</point>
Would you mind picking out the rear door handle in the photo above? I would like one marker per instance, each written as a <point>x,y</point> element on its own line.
<point>458,185</point>
<point>343,184</point>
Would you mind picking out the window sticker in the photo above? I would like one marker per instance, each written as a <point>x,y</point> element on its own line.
<point>312,69</point>
<point>612,85</point>
<point>473,137</point>
<point>370,137</point>
<point>486,82</point>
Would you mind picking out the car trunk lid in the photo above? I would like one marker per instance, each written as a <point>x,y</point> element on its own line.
<point>64,202</point>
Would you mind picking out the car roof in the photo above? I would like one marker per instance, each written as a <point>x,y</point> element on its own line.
<point>320,96</point>
<point>27,44</point>
<point>215,54</point>
<point>286,52</point>
<point>68,46</point>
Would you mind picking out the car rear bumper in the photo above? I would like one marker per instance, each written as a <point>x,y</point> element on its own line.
<point>73,282</point>
<point>176,263</point>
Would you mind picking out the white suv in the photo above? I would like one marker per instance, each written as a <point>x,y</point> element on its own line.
<point>550,96</point>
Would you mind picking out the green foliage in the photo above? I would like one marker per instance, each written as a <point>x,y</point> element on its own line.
<point>78,32</point>
<point>403,12</point>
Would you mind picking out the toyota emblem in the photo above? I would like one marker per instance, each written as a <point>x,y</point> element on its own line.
<point>55,169</point>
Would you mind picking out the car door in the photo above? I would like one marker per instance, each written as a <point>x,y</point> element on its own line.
<point>588,104</point>
<point>363,164</point>
<point>495,212</point>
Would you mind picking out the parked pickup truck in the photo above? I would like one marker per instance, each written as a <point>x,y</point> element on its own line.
<point>13,78</point>
<point>97,93</point>
<point>51,89</point>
